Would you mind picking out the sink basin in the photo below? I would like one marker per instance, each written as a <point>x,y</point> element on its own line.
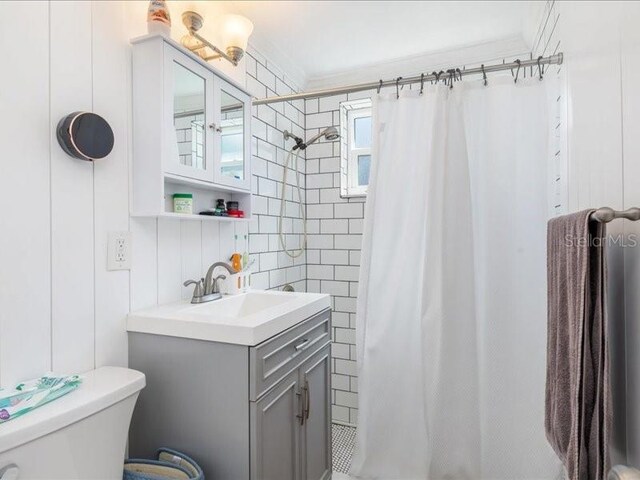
<point>245,319</point>
<point>238,306</point>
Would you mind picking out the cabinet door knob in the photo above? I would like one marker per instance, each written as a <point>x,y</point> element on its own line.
<point>213,126</point>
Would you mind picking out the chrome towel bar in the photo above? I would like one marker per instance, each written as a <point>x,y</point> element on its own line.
<point>606,214</point>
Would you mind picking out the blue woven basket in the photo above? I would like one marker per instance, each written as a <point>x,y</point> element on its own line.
<point>170,465</point>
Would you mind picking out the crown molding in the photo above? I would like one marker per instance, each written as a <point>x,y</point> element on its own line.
<point>414,65</point>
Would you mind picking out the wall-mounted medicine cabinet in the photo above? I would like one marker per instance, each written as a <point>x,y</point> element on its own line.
<point>191,132</point>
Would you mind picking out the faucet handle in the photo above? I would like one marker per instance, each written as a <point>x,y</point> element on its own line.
<point>216,287</point>
<point>198,290</point>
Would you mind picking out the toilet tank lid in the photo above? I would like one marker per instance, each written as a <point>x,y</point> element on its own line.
<point>100,388</point>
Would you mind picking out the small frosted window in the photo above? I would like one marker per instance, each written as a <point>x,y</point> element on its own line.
<point>355,147</point>
<point>364,166</point>
<point>362,132</point>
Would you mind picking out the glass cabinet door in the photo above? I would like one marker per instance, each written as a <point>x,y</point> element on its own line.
<point>189,87</point>
<point>233,137</point>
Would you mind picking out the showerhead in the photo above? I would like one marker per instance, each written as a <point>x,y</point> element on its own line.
<point>329,134</point>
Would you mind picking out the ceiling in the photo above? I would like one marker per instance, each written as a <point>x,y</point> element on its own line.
<point>315,39</point>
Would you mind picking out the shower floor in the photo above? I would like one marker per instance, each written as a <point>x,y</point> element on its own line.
<point>342,445</point>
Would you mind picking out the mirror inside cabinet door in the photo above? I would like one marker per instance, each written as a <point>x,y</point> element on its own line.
<point>232,136</point>
<point>189,116</point>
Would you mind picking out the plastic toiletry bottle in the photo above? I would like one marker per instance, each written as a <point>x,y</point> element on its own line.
<point>158,18</point>
<point>183,203</point>
<point>236,262</point>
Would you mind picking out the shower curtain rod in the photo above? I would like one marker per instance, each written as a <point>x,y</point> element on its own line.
<point>606,214</point>
<point>442,75</point>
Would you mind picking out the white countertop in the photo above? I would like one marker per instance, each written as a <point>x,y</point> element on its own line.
<point>245,319</point>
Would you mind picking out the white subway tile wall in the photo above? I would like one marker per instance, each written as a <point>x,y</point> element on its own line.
<point>273,266</point>
<point>333,257</point>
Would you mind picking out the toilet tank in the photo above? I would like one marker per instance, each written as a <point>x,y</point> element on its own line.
<point>82,435</point>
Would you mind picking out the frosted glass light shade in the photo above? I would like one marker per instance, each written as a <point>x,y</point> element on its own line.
<point>235,31</point>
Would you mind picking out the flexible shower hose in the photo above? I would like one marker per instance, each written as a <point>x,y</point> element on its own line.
<point>303,245</point>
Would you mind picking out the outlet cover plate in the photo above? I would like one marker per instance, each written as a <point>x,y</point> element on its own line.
<point>119,251</point>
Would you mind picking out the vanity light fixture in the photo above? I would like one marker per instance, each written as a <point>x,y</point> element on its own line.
<point>235,33</point>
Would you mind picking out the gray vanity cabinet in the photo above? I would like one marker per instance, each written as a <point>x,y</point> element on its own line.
<point>275,439</point>
<point>292,435</point>
<point>315,377</point>
<point>242,412</point>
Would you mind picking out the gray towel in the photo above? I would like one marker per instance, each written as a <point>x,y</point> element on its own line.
<point>578,396</point>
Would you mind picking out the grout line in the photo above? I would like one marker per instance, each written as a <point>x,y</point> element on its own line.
<point>93,196</point>
<point>50,209</point>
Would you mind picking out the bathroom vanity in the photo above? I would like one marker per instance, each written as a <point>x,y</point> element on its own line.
<point>240,384</point>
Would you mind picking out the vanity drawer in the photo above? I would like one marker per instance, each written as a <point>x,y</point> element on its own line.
<point>273,359</point>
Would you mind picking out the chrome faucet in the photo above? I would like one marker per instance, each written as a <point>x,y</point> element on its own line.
<point>210,283</point>
<point>207,289</point>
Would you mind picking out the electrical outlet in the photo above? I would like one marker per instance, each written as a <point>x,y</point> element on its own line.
<point>119,251</point>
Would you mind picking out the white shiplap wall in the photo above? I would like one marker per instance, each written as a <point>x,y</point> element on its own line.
<point>25,286</point>
<point>600,146</point>
<point>60,308</point>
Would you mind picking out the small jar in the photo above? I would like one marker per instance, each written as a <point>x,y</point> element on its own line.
<point>183,203</point>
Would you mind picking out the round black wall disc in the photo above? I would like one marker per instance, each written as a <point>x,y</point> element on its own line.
<point>85,135</point>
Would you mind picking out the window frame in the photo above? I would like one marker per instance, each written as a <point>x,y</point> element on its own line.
<point>350,111</point>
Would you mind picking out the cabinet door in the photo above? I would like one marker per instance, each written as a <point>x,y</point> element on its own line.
<point>189,110</point>
<point>232,141</point>
<point>275,432</point>
<point>315,378</point>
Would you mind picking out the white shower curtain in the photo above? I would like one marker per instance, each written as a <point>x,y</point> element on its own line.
<point>451,305</point>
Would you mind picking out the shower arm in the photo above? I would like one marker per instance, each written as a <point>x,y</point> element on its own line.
<point>314,138</point>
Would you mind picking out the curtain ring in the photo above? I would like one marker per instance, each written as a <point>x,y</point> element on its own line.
<point>379,86</point>
<point>452,74</point>
<point>421,83</point>
<point>484,74</point>
<point>398,87</point>
<point>459,72</point>
<point>515,80</point>
<point>540,67</point>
